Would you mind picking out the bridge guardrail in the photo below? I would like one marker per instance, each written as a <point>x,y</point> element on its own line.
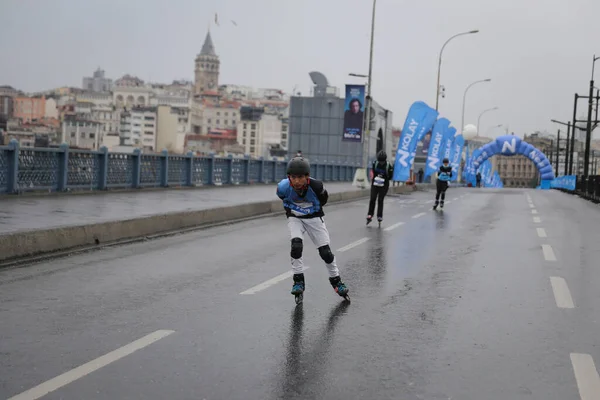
<point>587,187</point>
<point>61,169</point>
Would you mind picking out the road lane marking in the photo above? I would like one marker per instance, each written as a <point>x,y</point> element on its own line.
<point>454,199</point>
<point>548,252</point>
<point>89,367</point>
<point>586,375</point>
<point>534,211</point>
<point>389,228</point>
<point>429,201</point>
<point>531,205</point>
<point>418,215</point>
<point>270,282</point>
<point>562,295</point>
<point>353,244</point>
<point>541,232</point>
<point>537,220</point>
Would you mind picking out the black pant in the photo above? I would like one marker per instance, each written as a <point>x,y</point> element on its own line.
<point>380,191</point>
<point>441,187</point>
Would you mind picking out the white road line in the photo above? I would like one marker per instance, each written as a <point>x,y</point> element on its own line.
<point>548,252</point>
<point>89,367</point>
<point>541,232</point>
<point>534,211</point>
<point>454,199</point>
<point>389,228</point>
<point>429,201</point>
<point>562,295</point>
<point>531,205</point>
<point>353,244</point>
<point>418,215</point>
<point>586,375</point>
<point>537,220</point>
<point>270,282</point>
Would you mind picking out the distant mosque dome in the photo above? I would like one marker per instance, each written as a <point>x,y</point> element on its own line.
<point>470,131</point>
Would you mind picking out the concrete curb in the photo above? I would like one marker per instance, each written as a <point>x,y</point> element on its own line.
<point>17,245</point>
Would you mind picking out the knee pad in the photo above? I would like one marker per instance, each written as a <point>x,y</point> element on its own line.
<point>326,254</point>
<point>296,252</point>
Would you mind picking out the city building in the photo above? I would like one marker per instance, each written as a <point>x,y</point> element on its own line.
<point>172,126</point>
<point>262,134</point>
<point>6,107</point>
<point>29,109</point>
<point>97,83</point>
<point>138,128</point>
<point>206,70</point>
<point>316,127</point>
<point>219,142</point>
<point>82,134</point>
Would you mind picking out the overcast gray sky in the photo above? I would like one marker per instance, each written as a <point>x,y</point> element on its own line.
<point>537,52</point>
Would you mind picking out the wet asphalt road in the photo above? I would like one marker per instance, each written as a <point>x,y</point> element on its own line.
<point>462,304</point>
<point>30,213</point>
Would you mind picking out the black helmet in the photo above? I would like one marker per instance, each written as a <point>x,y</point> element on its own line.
<point>445,160</point>
<point>298,166</point>
<point>381,156</point>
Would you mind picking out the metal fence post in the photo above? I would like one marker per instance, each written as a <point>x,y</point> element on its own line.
<point>137,168</point>
<point>247,169</point>
<point>63,167</point>
<point>103,165</point>
<point>164,168</point>
<point>189,166</point>
<point>261,173</point>
<point>12,177</point>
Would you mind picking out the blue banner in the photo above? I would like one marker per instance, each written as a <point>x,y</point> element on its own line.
<point>458,144</point>
<point>436,147</point>
<point>353,113</point>
<point>466,167</point>
<point>566,182</point>
<point>448,141</point>
<point>419,121</point>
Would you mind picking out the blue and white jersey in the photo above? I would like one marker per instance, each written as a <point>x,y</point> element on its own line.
<point>304,205</point>
<point>445,173</point>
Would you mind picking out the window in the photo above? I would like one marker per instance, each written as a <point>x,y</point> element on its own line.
<point>218,113</point>
<point>233,122</point>
<point>252,149</point>
<point>252,142</point>
<point>226,114</point>
<point>253,126</point>
<point>218,122</point>
<point>226,122</point>
<point>245,125</point>
<point>253,134</point>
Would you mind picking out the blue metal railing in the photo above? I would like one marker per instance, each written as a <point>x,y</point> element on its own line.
<point>61,169</point>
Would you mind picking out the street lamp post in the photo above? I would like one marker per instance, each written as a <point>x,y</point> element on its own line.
<point>588,136</point>
<point>437,95</point>
<point>493,127</point>
<point>366,134</point>
<point>483,112</point>
<point>462,121</point>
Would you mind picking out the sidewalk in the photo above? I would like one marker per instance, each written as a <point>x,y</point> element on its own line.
<point>28,213</point>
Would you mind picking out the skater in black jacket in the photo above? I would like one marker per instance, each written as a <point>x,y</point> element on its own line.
<point>382,174</point>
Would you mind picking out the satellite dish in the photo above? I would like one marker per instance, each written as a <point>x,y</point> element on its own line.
<point>318,79</point>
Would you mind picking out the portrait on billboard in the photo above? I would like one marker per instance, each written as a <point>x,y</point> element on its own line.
<point>354,112</point>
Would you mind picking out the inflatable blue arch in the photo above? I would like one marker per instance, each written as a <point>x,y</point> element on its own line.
<point>513,145</point>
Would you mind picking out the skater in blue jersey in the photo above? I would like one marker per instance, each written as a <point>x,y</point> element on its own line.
<point>303,200</point>
<point>444,176</point>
